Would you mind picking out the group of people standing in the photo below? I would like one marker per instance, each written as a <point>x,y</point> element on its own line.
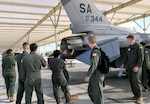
<point>29,66</point>
<point>136,60</point>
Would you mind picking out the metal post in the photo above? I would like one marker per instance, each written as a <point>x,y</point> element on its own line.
<point>144,28</point>
<point>138,25</point>
<point>55,24</point>
<point>56,38</point>
<point>112,16</point>
<point>148,26</point>
<point>28,38</point>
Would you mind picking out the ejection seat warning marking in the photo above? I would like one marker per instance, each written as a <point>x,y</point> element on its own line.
<point>89,17</point>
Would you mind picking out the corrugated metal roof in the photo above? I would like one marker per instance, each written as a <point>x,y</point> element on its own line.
<point>30,20</point>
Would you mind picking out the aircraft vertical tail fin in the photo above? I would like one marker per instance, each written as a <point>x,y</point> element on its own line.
<point>83,12</point>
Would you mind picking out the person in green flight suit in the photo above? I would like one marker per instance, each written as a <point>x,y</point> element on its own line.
<point>133,59</point>
<point>64,56</point>
<point>31,74</point>
<point>21,89</point>
<point>9,73</point>
<point>145,67</point>
<point>94,76</point>
<point>57,66</point>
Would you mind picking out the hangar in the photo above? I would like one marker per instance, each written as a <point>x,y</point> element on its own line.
<point>45,21</point>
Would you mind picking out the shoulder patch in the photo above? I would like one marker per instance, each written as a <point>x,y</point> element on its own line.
<point>146,51</point>
<point>140,47</point>
<point>94,54</point>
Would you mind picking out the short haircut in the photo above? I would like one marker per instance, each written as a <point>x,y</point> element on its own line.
<point>130,37</point>
<point>92,39</point>
<point>25,44</point>
<point>142,43</point>
<point>64,50</point>
<point>9,51</point>
<point>33,47</point>
<point>56,53</point>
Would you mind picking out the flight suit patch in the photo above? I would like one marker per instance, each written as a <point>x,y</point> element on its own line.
<point>146,51</point>
<point>94,54</point>
<point>140,47</point>
<point>129,49</point>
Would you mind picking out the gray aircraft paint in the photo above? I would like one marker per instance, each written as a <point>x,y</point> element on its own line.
<point>110,47</point>
<point>86,18</point>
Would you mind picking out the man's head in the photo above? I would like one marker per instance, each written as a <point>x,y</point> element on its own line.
<point>92,41</point>
<point>26,46</point>
<point>33,47</point>
<point>57,54</point>
<point>131,39</point>
<point>9,52</point>
<point>64,51</point>
<point>143,44</point>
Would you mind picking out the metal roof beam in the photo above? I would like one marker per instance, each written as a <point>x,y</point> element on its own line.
<point>67,29</point>
<point>106,2</point>
<point>132,19</point>
<point>40,22</point>
<point>121,6</point>
<point>17,12</point>
<point>11,23</point>
<point>17,18</point>
<point>24,4</point>
<point>119,3</point>
<point>28,24</point>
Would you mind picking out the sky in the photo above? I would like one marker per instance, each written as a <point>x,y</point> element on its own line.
<point>130,25</point>
<point>48,48</point>
<point>134,26</point>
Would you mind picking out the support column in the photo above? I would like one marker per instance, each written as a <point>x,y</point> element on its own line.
<point>55,24</point>
<point>56,38</point>
<point>144,28</point>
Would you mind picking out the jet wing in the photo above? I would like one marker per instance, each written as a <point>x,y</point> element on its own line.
<point>110,47</point>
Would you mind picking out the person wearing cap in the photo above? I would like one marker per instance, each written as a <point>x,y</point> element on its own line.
<point>57,66</point>
<point>145,68</point>
<point>133,59</point>
<point>9,73</point>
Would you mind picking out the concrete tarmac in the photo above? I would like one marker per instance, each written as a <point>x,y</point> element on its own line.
<point>116,91</point>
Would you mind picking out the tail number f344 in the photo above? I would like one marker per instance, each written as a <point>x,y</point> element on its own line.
<point>92,18</point>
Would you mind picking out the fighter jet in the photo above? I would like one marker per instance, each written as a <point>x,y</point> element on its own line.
<point>86,19</point>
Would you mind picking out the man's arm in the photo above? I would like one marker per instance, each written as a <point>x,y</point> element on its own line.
<point>94,62</point>
<point>64,65</point>
<point>23,69</point>
<point>19,61</point>
<point>3,66</point>
<point>140,57</point>
<point>125,59</point>
<point>65,56</point>
<point>43,61</point>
